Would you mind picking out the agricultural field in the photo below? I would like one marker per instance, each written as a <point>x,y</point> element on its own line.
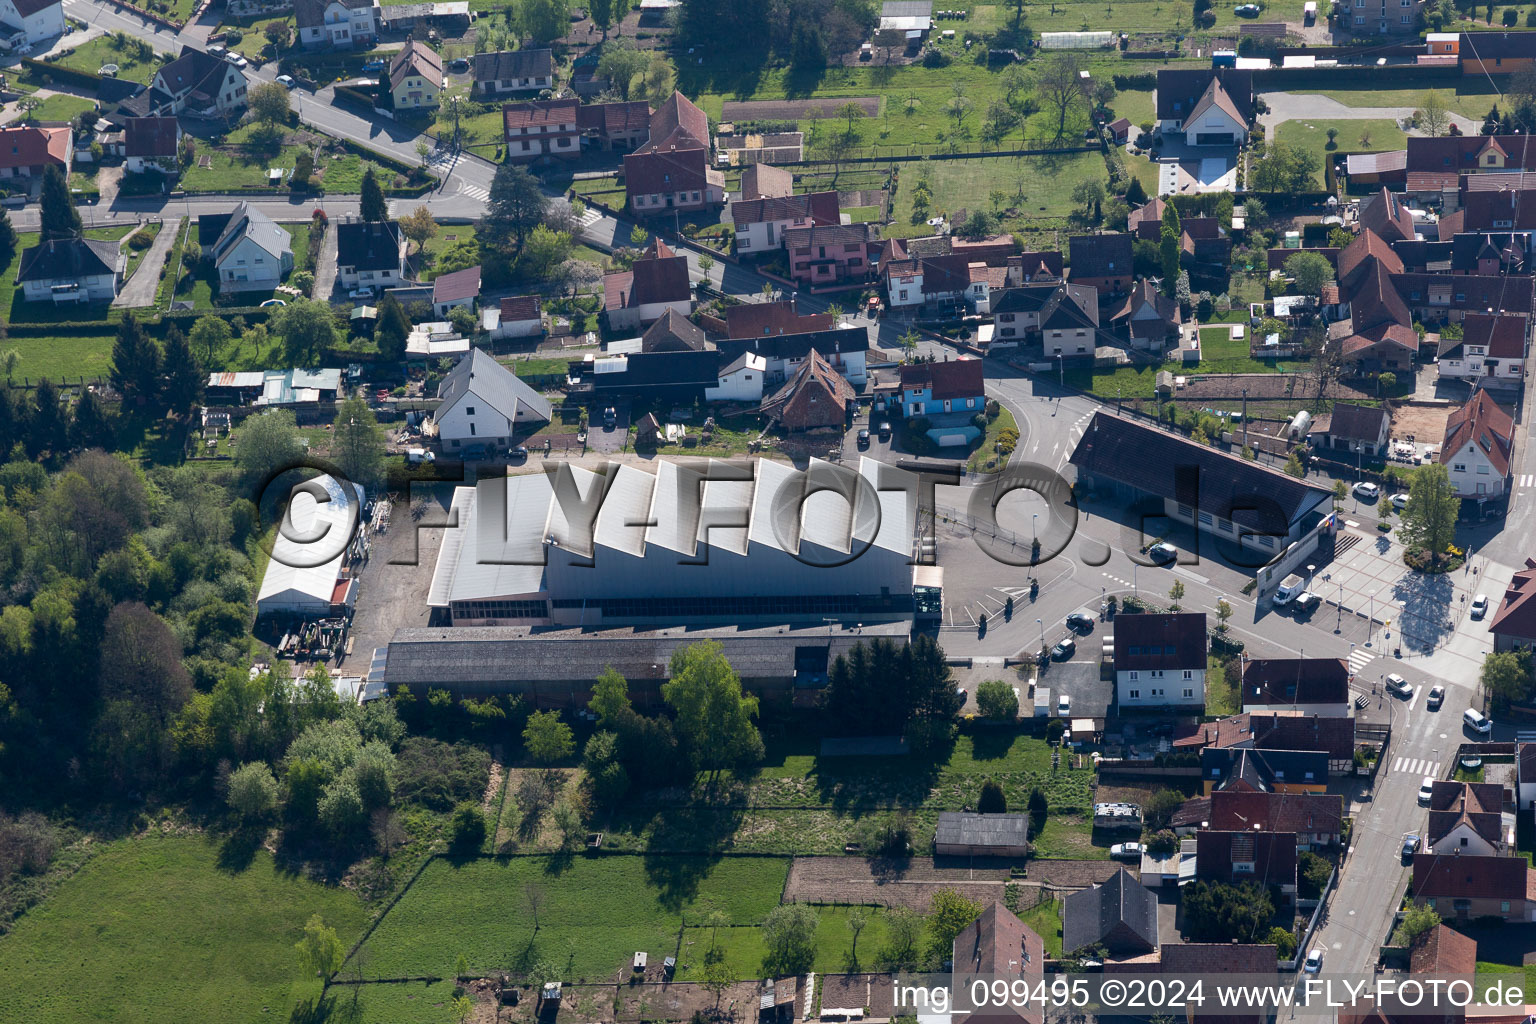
<point>592,913</point>
<point>171,928</point>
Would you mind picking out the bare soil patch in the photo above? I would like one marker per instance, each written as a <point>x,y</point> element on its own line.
<point>793,110</point>
<point>857,880</point>
<point>1425,422</point>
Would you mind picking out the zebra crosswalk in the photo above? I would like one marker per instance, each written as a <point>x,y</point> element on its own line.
<point>1416,765</point>
<point>475,192</point>
<point>1525,480</point>
<point>1359,658</point>
<point>589,217</point>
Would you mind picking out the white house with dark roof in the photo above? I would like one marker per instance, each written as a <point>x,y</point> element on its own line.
<point>252,253</point>
<point>456,289</point>
<point>197,83</point>
<point>510,71</point>
<point>483,402</point>
<point>336,24</point>
<point>370,254</point>
<point>25,22</point>
<point>72,270</point>
<point>150,144</point>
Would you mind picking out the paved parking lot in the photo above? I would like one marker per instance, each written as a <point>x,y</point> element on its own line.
<point>603,439</point>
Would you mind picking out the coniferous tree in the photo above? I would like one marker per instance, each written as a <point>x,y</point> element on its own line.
<point>60,219</point>
<point>8,431</point>
<point>135,362</point>
<point>91,426</point>
<point>183,381</point>
<point>372,204</point>
<point>7,239</point>
<point>49,432</point>
<point>393,328</point>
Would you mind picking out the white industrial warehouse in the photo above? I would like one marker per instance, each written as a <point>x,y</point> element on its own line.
<point>312,528</point>
<point>701,541</point>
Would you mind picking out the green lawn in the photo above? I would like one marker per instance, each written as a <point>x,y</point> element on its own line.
<point>167,933</point>
<point>60,107</point>
<point>593,912</point>
<point>1045,919</point>
<point>743,950</point>
<point>447,235</point>
<point>176,10</point>
<point>985,459</point>
<point>1044,183</point>
<point>135,60</point>
<point>242,161</point>
<point>57,358</point>
<point>1220,692</point>
<point>1312,136</point>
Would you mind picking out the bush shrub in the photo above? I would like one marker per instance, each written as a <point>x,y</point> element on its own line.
<point>468,829</point>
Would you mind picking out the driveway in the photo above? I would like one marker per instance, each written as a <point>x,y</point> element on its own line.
<point>325,266</point>
<point>1286,106</point>
<point>141,287</point>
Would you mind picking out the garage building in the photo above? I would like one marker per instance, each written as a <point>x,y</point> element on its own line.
<point>967,834</point>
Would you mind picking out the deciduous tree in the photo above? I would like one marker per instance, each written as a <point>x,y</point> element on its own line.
<point>789,939</point>
<point>950,913</point>
<point>1429,518</point>
<point>359,442</point>
<point>547,739</point>
<point>320,951</point>
<point>269,103</point>
<point>714,717</point>
<point>419,226</point>
<point>515,207</point>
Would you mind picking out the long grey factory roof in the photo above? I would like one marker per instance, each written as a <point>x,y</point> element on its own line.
<point>493,654</point>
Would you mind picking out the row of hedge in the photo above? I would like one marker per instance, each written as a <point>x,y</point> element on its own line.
<point>58,72</point>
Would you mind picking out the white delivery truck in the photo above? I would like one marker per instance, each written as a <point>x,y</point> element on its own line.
<point>1289,588</point>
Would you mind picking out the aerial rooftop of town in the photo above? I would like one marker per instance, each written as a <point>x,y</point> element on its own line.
<point>602,512</point>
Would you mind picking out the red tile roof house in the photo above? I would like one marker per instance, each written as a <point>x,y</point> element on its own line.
<point>451,291</point>
<point>830,255</point>
<point>541,130</point>
<point>1252,855</point>
<point>26,149</point>
<point>1101,261</point>
<point>1466,888</point>
<point>671,171</point>
<point>150,144</point>
<point>655,282</point>
<point>761,224</point>
<point>1317,819</point>
<point>1478,445</point>
<point>620,127</point>
<point>1334,737</point>
<point>998,945</point>
<point>1514,625</point>
<point>518,316</point>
